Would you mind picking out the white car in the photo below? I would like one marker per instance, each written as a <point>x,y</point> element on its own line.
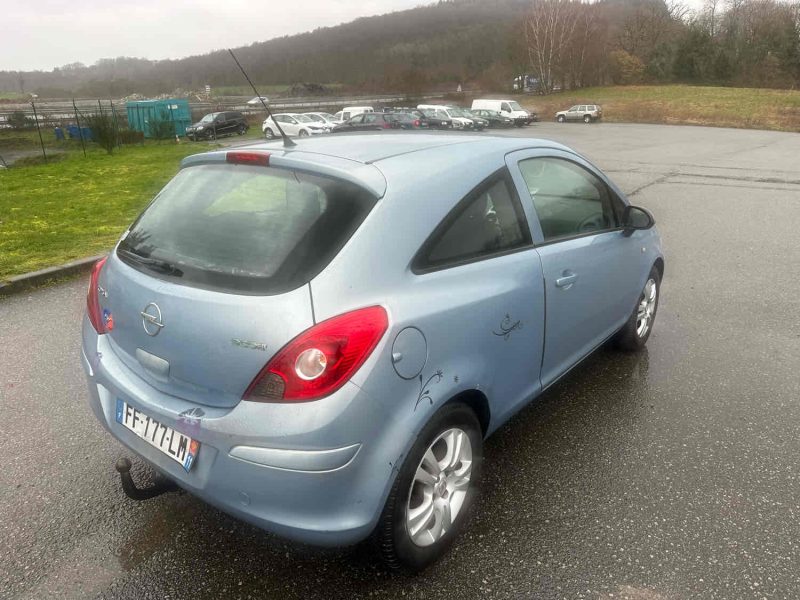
<point>507,108</point>
<point>348,112</point>
<point>326,119</point>
<point>459,122</point>
<point>257,101</point>
<point>293,125</point>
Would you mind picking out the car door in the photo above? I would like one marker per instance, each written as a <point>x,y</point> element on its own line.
<point>219,124</point>
<point>355,124</point>
<point>591,268</point>
<point>371,121</point>
<point>225,127</point>
<point>572,113</point>
<point>293,125</point>
<point>480,261</point>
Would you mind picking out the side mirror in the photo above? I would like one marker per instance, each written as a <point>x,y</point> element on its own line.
<point>635,218</point>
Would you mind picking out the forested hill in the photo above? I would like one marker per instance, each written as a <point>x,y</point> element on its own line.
<point>564,43</point>
<point>447,42</point>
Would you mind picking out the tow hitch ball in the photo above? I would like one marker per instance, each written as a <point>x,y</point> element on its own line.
<point>161,486</point>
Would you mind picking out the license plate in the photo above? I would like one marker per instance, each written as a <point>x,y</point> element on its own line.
<point>180,448</point>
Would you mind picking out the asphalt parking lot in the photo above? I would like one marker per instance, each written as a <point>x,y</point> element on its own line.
<point>666,475</point>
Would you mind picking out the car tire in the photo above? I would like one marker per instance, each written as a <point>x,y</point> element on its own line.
<point>561,118</point>
<point>587,119</point>
<point>242,129</point>
<point>634,334</point>
<point>269,134</point>
<point>453,427</point>
<point>303,133</point>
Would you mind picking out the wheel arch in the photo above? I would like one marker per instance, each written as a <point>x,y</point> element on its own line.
<point>659,264</point>
<point>476,401</point>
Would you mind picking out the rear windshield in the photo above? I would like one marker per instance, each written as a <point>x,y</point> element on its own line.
<point>244,229</point>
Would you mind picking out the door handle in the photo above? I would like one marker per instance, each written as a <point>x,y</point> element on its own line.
<point>566,280</point>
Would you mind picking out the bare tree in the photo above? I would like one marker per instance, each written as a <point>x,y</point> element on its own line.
<point>549,28</point>
<point>712,8</point>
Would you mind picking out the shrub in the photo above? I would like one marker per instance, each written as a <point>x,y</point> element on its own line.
<point>161,128</point>
<point>18,120</point>
<point>130,136</point>
<point>104,132</point>
<point>625,68</point>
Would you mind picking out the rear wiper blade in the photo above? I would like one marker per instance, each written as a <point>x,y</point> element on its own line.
<point>154,263</point>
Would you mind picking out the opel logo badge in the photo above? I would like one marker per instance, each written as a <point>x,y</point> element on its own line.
<point>151,319</point>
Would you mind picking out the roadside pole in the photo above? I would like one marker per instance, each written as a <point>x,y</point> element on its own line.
<point>116,125</point>
<point>39,129</point>
<point>80,129</point>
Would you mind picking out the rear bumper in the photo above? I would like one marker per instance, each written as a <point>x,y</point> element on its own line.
<point>302,471</point>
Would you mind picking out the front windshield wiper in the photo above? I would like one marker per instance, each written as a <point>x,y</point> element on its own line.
<point>155,264</point>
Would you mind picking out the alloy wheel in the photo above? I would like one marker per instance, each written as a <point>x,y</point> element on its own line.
<point>439,487</point>
<point>647,308</point>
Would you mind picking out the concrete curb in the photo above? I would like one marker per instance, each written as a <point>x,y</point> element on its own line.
<point>27,281</point>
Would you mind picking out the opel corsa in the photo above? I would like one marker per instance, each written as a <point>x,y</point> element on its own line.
<point>319,339</point>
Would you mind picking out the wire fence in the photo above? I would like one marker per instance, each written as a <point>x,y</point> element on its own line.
<point>68,119</point>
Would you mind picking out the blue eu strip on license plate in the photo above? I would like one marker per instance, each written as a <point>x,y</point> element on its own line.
<point>180,448</point>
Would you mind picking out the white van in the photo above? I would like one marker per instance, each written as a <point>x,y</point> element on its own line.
<point>507,108</point>
<point>459,122</point>
<point>348,112</point>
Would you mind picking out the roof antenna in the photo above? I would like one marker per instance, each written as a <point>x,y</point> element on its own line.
<point>287,143</point>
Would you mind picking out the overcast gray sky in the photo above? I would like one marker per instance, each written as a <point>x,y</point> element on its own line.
<point>42,34</point>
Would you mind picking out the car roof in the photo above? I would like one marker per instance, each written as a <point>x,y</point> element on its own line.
<point>371,148</point>
<point>354,157</point>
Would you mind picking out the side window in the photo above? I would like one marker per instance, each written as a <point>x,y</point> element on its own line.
<point>568,199</point>
<point>370,118</point>
<point>488,221</point>
<point>220,118</point>
<point>505,107</point>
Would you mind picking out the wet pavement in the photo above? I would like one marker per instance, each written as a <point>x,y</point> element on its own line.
<point>665,475</point>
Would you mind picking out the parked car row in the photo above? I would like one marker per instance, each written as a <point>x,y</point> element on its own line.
<point>484,114</point>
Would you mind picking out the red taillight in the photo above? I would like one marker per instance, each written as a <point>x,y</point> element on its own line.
<point>259,159</point>
<point>416,123</point>
<point>93,299</point>
<point>321,359</point>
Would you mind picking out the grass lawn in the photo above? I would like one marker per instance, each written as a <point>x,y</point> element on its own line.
<point>76,207</point>
<point>682,104</point>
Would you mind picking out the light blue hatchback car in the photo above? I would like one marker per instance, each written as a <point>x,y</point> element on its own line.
<point>318,339</point>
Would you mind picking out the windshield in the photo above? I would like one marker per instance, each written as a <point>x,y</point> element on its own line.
<point>515,105</point>
<point>303,118</point>
<point>316,118</point>
<point>245,229</point>
<point>208,118</point>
